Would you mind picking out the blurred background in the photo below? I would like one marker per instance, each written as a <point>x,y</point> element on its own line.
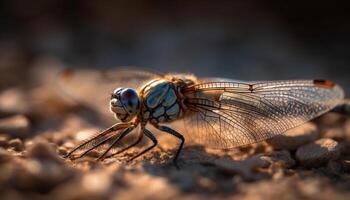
<point>242,39</point>
<point>248,40</point>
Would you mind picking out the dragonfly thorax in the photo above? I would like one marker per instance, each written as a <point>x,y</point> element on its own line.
<point>125,103</point>
<point>160,101</point>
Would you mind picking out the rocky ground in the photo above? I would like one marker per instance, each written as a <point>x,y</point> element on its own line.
<point>36,129</point>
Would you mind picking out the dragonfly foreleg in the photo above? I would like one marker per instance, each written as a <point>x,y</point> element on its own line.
<point>95,146</point>
<point>139,138</point>
<point>113,128</point>
<point>151,137</point>
<point>176,134</point>
<point>121,136</point>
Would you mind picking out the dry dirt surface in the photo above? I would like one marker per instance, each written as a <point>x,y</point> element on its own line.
<point>38,128</point>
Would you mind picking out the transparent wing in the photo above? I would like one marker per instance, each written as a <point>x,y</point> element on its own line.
<point>92,88</point>
<point>226,114</point>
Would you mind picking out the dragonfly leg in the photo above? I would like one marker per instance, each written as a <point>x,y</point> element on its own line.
<point>95,146</point>
<point>176,134</point>
<point>113,128</point>
<point>122,134</point>
<point>139,138</point>
<point>151,137</point>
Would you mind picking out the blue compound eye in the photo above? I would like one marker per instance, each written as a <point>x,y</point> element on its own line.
<point>130,100</point>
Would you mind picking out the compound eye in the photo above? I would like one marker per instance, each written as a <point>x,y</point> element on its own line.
<point>130,99</point>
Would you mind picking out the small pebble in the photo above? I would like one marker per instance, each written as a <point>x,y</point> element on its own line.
<point>295,137</point>
<point>85,134</point>
<point>318,152</point>
<point>245,168</point>
<point>94,153</point>
<point>62,151</point>
<point>3,141</point>
<point>16,126</point>
<point>43,150</point>
<point>96,183</point>
<point>39,175</point>
<point>147,186</point>
<point>14,101</point>
<point>282,157</point>
<point>16,144</point>
<point>334,133</point>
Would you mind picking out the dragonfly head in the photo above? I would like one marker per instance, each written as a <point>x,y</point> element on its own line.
<point>125,103</point>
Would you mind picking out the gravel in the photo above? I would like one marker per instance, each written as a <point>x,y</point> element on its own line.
<point>15,126</point>
<point>295,137</point>
<point>14,101</point>
<point>16,144</point>
<point>318,152</point>
<point>283,158</point>
<point>245,168</point>
<point>32,164</point>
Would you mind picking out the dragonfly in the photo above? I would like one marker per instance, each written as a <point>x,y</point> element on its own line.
<point>216,112</point>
